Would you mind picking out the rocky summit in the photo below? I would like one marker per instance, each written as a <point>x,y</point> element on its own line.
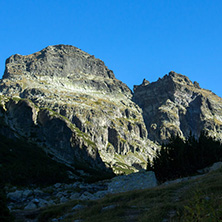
<point>72,106</point>
<point>174,105</point>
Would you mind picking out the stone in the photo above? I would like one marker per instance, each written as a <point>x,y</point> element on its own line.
<point>134,181</point>
<point>86,196</point>
<point>60,194</point>
<point>72,176</point>
<point>179,180</point>
<point>36,201</point>
<point>78,207</point>
<point>38,193</point>
<point>110,207</point>
<point>99,194</point>
<point>212,168</point>
<point>50,202</point>
<point>63,199</point>
<point>57,185</point>
<point>215,166</point>
<point>43,203</point>
<point>30,206</point>
<point>27,193</point>
<point>74,196</point>
<point>15,196</point>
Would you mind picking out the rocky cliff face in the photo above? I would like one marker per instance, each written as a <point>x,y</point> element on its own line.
<point>71,104</point>
<point>174,105</point>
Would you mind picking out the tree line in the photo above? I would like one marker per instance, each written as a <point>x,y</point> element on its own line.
<point>180,158</point>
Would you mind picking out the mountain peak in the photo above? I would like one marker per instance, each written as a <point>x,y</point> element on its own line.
<point>75,108</point>
<point>58,61</point>
<point>64,67</point>
<point>68,101</point>
<point>168,81</point>
<point>174,105</point>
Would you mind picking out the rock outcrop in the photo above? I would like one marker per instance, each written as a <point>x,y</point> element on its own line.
<point>174,105</point>
<point>70,103</point>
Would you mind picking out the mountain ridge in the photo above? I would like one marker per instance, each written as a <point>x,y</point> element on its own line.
<point>69,102</point>
<point>98,110</point>
<point>187,107</point>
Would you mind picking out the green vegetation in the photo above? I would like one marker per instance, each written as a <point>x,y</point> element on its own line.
<point>195,200</point>
<point>16,99</point>
<point>181,158</point>
<point>4,212</point>
<point>94,174</point>
<point>79,132</point>
<point>122,140</point>
<point>124,168</point>
<point>202,207</point>
<point>84,136</point>
<point>23,163</point>
<point>56,211</point>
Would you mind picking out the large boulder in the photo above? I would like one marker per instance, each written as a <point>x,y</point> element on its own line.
<point>134,181</point>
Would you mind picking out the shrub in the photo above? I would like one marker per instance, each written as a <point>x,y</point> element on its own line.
<point>4,211</point>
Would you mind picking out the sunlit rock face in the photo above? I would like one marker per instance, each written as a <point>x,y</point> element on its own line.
<point>174,105</point>
<point>71,104</point>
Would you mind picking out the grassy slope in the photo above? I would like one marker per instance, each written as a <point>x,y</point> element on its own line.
<point>23,164</point>
<point>194,200</point>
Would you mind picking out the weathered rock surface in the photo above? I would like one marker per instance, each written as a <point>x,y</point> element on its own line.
<point>134,181</point>
<point>71,104</point>
<point>174,105</point>
<point>61,66</point>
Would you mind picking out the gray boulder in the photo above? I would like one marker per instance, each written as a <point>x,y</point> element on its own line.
<point>215,166</point>
<point>15,196</point>
<point>134,181</point>
<point>30,206</point>
<point>74,196</point>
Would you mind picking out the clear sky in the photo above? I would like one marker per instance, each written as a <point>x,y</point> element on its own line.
<point>137,39</point>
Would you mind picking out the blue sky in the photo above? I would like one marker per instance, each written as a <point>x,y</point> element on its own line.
<point>137,39</point>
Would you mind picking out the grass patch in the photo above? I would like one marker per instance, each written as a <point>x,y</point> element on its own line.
<point>56,211</point>
<point>126,169</point>
<point>85,137</point>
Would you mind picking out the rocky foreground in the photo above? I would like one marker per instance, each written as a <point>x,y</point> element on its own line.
<point>27,203</point>
<point>33,198</point>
